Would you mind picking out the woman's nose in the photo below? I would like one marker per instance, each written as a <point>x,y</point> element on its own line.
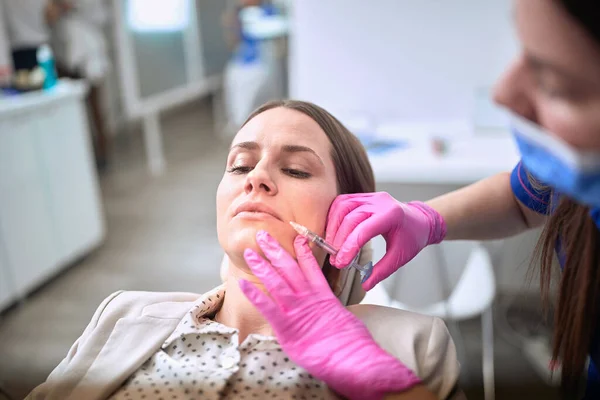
<point>514,90</point>
<point>259,179</point>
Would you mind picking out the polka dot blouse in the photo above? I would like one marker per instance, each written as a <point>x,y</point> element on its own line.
<point>202,359</point>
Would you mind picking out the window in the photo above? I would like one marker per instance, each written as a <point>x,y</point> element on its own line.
<point>157,15</point>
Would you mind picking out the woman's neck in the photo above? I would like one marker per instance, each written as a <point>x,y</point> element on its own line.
<point>237,311</point>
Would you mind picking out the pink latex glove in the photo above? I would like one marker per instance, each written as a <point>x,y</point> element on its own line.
<point>407,228</point>
<point>314,329</point>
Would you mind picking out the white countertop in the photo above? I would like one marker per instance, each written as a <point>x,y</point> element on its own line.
<point>467,160</point>
<point>26,102</point>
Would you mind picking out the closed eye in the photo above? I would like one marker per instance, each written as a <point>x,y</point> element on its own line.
<point>239,170</point>
<point>295,173</point>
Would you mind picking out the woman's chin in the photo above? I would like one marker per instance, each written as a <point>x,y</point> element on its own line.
<point>245,238</point>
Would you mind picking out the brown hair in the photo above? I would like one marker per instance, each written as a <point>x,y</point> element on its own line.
<point>579,288</point>
<point>571,225</point>
<point>352,167</point>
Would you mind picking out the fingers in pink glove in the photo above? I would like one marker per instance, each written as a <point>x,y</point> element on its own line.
<point>275,284</point>
<point>351,228</point>
<point>356,239</point>
<point>262,301</point>
<point>285,265</point>
<point>344,216</point>
<point>308,263</point>
<point>341,206</point>
<point>282,269</point>
<point>350,222</point>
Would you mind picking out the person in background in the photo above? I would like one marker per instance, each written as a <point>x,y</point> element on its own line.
<point>27,29</point>
<point>552,93</point>
<point>79,44</point>
<point>74,31</point>
<point>252,76</point>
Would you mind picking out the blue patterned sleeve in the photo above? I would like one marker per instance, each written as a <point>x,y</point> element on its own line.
<point>533,198</point>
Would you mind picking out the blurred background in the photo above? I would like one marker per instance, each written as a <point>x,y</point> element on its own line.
<point>116,117</point>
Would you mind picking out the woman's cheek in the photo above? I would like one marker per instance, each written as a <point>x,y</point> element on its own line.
<point>576,125</point>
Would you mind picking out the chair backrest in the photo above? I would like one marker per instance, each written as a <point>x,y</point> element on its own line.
<point>476,288</point>
<point>430,276</point>
<point>472,294</point>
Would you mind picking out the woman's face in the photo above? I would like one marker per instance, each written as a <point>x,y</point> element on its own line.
<point>555,81</point>
<point>279,169</point>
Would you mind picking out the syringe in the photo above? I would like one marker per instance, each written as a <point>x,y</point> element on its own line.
<point>365,270</point>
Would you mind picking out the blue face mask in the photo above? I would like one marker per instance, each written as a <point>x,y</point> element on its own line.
<point>555,163</point>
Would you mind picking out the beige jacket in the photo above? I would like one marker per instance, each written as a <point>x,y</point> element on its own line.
<point>129,327</point>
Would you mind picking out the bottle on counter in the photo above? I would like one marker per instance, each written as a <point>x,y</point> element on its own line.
<point>45,60</point>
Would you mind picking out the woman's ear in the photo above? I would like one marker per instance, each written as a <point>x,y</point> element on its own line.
<point>224,268</point>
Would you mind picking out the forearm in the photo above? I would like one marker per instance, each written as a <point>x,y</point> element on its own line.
<point>51,12</point>
<point>231,29</point>
<point>484,210</point>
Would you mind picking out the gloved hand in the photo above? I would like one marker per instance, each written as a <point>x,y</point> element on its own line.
<point>314,329</point>
<point>407,228</point>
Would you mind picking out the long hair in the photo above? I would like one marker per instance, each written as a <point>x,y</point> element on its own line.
<point>570,224</point>
<point>577,312</point>
<point>352,167</point>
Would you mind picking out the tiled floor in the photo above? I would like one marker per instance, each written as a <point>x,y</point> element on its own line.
<point>161,236</point>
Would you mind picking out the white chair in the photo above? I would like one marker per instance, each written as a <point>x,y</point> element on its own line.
<point>473,295</point>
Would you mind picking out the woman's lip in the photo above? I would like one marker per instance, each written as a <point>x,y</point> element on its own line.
<point>255,215</point>
<point>255,207</point>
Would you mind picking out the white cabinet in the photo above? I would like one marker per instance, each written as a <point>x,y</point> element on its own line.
<point>50,211</point>
<point>73,195</point>
<point>25,221</point>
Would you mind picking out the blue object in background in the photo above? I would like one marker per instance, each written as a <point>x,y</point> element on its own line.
<point>45,60</point>
<point>376,146</point>
<point>248,49</point>
<point>9,91</point>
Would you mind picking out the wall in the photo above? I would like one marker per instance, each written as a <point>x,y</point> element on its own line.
<point>160,59</point>
<point>398,59</point>
<point>408,61</point>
